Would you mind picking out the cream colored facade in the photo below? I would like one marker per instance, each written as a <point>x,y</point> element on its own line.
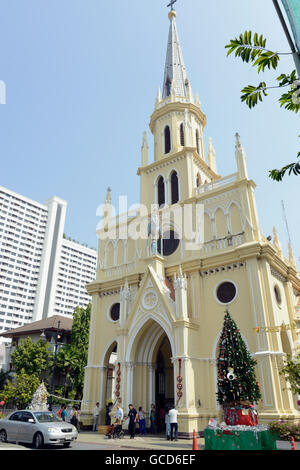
<point>170,313</point>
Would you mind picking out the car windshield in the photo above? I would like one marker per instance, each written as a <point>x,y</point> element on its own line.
<point>46,417</point>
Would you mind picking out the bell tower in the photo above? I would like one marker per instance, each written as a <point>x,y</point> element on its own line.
<point>179,165</point>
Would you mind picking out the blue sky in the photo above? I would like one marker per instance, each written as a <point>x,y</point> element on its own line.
<point>82,78</point>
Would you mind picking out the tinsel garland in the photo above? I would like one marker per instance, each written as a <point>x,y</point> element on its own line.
<point>226,429</point>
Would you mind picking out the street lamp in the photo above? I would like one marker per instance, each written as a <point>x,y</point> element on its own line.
<point>57,338</point>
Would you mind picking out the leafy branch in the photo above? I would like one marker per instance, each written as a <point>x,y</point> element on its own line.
<point>252,49</point>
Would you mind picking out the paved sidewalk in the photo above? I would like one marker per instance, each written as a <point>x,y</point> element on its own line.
<point>148,442</point>
<point>9,446</point>
<point>152,442</point>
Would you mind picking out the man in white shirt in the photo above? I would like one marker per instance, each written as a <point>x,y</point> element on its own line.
<point>173,422</point>
<point>119,412</point>
<point>96,412</point>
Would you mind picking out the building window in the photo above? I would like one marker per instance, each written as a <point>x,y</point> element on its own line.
<point>181,130</point>
<point>167,134</point>
<point>161,191</point>
<point>168,244</point>
<point>277,295</point>
<point>197,141</point>
<point>226,292</point>
<point>115,312</point>
<point>174,188</point>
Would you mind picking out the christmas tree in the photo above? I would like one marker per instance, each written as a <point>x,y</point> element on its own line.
<point>39,399</point>
<point>236,369</point>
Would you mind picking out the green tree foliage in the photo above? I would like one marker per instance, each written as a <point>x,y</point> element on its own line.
<point>3,378</point>
<point>72,358</point>
<point>291,372</point>
<point>252,49</point>
<point>236,369</point>
<point>20,389</point>
<point>33,358</point>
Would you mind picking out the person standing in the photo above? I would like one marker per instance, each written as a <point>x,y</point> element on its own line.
<point>173,423</point>
<point>71,414</point>
<point>64,413</point>
<point>167,423</point>
<point>109,407</point>
<point>132,421</point>
<point>74,419</point>
<point>119,413</point>
<point>153,419</point>
<point>96,412</point>
<point>142,420</point>
<point>60,411</point>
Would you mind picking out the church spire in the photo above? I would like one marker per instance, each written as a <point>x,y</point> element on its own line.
<point>175,75</point>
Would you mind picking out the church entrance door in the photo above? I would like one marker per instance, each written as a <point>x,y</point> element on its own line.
<point>164,382</point>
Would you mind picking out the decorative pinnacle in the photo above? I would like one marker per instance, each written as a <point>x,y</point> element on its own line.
<point>145,142</point>
<point>108,196</point>
<point>238,140</point>
<point>172,13</point>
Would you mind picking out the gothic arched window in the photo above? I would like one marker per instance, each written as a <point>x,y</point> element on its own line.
<point>161,191</point>
<point>181,129</point>
<point>174,188</point>
<point>197,141</point>
<point>167,139</point>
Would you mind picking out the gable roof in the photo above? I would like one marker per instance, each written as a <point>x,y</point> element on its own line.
<point>50,323</point>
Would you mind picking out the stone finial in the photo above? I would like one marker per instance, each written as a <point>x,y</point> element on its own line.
<point>292,259</point>
<point>158,97</point>
<point>240,158</point>
<point>180,282</point>
<point>145,141</point>
<point>145,148</point>
<point>108,196</point>
<point>276,242</point>
<point>125,292</point>
<point>238,140</point>
<point>211,155</point>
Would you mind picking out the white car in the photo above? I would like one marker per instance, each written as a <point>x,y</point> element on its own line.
<point>37,428</point>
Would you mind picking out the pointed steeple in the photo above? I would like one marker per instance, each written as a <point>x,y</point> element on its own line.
<point>175,75</point>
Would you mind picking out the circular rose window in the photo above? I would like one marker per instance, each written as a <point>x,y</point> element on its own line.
<point>226,292</point>
<point>169,244</point>
<point>115,312</point>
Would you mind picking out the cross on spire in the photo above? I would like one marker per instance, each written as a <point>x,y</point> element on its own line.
<point>171,4</point>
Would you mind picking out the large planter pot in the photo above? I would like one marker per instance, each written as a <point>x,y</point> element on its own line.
<point>103,429</point>
<point>240,415</point>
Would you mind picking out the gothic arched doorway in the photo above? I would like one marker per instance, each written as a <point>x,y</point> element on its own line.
<point>164,382</point>
<point>164,377</point>
<point>150,372</point>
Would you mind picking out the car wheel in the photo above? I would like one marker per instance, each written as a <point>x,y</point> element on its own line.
<point>3,436</point>
<point>38,440</point>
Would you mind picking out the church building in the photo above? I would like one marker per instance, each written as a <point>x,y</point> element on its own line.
<point>159,299</point>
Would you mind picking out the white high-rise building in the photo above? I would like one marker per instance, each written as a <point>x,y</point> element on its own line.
<point>41,272</point>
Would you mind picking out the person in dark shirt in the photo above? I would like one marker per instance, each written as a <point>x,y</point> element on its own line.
<point>132,413</point>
